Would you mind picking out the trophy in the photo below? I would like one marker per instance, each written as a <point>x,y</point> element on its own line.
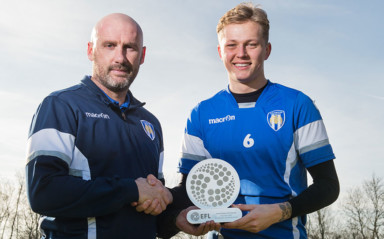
<point>213,185</point>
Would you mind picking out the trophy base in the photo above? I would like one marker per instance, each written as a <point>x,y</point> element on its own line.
<point>218,215</point>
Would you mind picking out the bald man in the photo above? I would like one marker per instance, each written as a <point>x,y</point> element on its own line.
<point>93,151</point>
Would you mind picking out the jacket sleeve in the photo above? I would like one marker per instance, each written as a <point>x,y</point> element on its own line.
<point>53,190</point>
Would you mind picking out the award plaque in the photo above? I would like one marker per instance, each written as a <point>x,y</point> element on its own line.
<point>213,185</point>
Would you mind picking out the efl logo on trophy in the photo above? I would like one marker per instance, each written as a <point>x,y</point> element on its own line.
<point>213,185</point>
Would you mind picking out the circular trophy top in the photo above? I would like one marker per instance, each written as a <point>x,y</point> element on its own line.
<point>213,183</point>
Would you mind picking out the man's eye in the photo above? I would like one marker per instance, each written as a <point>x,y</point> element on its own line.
<point>130,48</point>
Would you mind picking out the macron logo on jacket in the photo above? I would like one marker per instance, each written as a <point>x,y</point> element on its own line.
<point>222,120</point>
<point>95,115</point>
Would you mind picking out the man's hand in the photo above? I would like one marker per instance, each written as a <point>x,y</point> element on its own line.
<point>153,196</point>
<point>260,217</point>
<point>185,226</point>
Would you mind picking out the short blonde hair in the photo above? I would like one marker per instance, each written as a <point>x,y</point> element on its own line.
<point>245,12</point>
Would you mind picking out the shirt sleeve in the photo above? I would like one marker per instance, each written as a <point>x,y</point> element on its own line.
<point>193,149</point>
<point>324,190</point>
<point>310,136</point>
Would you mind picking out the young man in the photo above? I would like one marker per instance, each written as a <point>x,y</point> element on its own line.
<point>91,146</point>
<point>269,133</point>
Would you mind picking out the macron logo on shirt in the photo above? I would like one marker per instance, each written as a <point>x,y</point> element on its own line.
<point>222,120</point>
<point>96,115</point>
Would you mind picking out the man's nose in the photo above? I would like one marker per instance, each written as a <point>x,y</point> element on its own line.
<point>119,56</point>
<point>242,52</point>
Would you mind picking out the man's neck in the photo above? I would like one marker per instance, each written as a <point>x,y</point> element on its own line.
<point>243,88</point>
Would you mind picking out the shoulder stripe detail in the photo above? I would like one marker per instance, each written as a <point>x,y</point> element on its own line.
<point>51,142</point>
<point>193,145</point>
<point>80,165</point>
<point>311,136</point>
<point>314,146</point>
<point>193,157</point>
<point>75,172</point>
<point>56,154</point>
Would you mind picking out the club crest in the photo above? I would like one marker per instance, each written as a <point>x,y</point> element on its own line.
<point>276,119</point>
<point>148,128</point>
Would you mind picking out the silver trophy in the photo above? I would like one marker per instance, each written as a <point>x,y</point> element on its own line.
<point>213,185</point>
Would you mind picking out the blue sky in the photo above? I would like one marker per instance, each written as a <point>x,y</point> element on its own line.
<point>331,50</point>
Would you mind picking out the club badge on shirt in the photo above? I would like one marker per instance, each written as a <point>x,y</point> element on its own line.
<point>276,119</point>
<point>149,129</point>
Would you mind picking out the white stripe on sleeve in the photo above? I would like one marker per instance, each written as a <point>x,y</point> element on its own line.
<point>311,136</point>
<point>193,145</point>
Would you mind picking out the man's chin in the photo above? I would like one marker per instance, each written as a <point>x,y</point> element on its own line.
<point>117,89</point>
<point>118,84</point>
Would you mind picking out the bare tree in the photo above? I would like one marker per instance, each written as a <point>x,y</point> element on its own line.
<point>323,224</point>
<point>374,190</point>
<point>6,190</point>
<point>316,224</point>
<point>17,220</point>
<point>14,228</point>
<point>28,220</point>
<point>364,209</point>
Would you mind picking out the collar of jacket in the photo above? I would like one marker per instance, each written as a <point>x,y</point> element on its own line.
<point>134,103</point>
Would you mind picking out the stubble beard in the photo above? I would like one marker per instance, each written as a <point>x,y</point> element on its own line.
<point>103,77</point>
<point>115,86</point>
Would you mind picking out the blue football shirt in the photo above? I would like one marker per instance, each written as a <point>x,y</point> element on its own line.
<point>269,143</point>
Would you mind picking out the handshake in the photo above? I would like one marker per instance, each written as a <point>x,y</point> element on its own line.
<point>153,196</point>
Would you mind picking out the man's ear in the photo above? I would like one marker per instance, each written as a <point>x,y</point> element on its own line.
<point>143,55</point>
<point>219,50</point>
<point>90,51</point>
<point>268,50</point>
